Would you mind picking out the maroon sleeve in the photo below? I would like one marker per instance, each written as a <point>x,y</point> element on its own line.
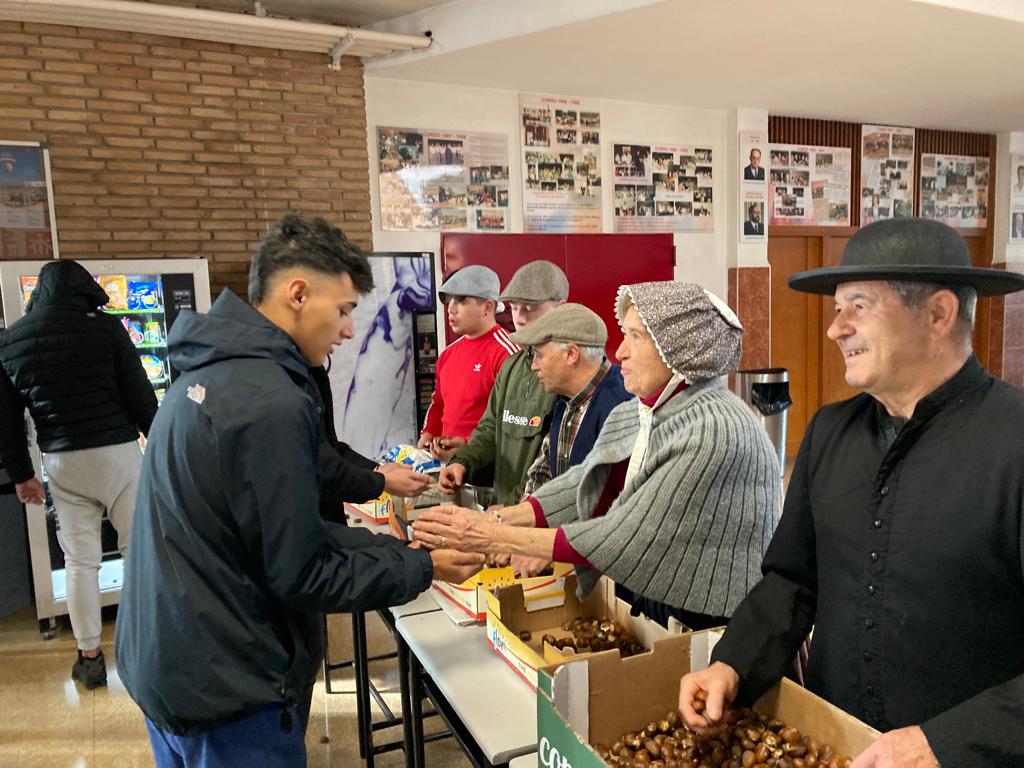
<point>539,520</point>
<point>562,551</point>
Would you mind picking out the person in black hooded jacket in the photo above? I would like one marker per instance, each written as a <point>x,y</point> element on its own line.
<point>231,563</point>
<point>80,377</point>
<point>347,475</point>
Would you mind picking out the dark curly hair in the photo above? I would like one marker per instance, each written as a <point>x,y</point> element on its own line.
<point>297,241</point>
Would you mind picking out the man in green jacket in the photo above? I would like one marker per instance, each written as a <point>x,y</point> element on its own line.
<point>510,433</point>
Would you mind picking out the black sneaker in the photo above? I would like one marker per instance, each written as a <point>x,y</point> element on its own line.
<point>92,673</point>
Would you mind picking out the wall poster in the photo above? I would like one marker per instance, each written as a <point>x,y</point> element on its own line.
<point>809,186</point>
<point>442,180</point>
<point>561,138</point>
<point>663,188</point>
<point>886,173</point>
<point>753,187</point>
<point>954,190</point>
<point>28,228</point>
<point>1017,198</point>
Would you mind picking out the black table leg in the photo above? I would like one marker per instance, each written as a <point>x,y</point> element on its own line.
<point>417,695</point>
<point>405,688</point>
<point>362,680</point>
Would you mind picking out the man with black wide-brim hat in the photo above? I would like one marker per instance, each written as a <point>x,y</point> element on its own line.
<point>901,541</point>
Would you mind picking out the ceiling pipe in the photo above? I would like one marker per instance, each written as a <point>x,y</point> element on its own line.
<point>339,50</point>
<point>200,24</point>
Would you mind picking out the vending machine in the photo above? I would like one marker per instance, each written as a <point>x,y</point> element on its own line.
<point>146,295</point>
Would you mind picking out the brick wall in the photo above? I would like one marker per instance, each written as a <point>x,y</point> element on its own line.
<point>166,147</point>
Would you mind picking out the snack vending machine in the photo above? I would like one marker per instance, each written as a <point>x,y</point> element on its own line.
<point>147,296</point>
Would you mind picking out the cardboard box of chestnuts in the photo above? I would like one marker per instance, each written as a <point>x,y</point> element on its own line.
<point>604,704</point>
<point>376,510</point>
<point>470,597</point>
<point>529,637</point>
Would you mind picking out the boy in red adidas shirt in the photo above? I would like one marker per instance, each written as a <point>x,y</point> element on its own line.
<point>466,370</point>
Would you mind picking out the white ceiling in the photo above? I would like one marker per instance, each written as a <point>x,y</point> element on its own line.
<point>355,13</point>
<point>894,61</point>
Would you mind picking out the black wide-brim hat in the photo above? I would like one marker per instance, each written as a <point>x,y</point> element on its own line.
<point>916,250</point>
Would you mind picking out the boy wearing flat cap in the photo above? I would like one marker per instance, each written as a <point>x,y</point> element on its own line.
<point>467,368</point>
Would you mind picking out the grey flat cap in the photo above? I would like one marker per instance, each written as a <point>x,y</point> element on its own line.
<point>566,322</point>
<point>474,280</point>
<point>537,282</point>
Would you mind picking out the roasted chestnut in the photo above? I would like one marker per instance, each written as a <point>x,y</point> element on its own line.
<point>743,739</point>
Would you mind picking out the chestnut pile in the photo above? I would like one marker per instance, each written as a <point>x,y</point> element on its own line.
<point>593,635</point>
<point>744,739</point>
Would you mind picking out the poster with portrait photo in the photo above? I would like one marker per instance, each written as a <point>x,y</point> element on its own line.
<point>886,173</point>
<point>809,186</point>
<point>754,178</point>
<point>1017,198</point>
<point>439,180</point>
<point>28,227</point>
<point>752,211</point>
<point>561,155</point>
<point>954,189</point>
<point>663,187</point>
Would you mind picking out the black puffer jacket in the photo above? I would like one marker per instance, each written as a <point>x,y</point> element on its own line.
<point>345,474</point>
<point>74,368</point>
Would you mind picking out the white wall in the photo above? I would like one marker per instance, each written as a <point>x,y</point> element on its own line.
<point>700,257</point>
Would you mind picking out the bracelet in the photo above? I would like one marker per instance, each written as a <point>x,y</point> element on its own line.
<point>497,515</point>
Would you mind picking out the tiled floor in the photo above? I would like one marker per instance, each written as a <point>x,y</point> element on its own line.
<point>47,721</point>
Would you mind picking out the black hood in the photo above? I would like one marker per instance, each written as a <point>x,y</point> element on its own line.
<point>67,282</point>
<point>232,330</point>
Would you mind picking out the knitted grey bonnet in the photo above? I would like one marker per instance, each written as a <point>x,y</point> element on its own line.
<point>696,333</point>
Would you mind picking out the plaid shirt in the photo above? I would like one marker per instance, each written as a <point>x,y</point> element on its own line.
<point>575,409</point>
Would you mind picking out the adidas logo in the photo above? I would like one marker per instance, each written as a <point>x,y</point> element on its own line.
<point>476,368</point>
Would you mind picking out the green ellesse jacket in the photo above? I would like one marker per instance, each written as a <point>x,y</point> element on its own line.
<point>511,430</point>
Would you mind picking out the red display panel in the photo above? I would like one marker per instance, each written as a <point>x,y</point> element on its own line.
<point>596,265</point>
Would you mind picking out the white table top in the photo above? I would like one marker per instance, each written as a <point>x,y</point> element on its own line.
<point>496,707</point>
<point>526,761</point>
<point>424,603</point>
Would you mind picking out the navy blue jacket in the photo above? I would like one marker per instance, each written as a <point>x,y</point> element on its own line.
<point>610,392</point>
<point>230,563</point>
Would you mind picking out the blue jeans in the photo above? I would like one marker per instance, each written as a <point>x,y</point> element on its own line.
<point>270,738</point>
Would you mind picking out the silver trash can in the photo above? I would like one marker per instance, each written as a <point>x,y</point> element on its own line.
<point>766,391</point>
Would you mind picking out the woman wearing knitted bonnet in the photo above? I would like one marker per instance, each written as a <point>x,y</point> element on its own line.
<point>679,497</point>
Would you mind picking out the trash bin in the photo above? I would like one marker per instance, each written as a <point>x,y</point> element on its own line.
<point>766,391</point>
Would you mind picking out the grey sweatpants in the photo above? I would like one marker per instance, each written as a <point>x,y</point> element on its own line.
<point>85,484</point>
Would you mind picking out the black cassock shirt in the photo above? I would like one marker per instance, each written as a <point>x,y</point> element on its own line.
<point>903,546</point>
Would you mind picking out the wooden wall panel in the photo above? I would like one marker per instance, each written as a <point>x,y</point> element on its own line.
<point>796,330</point>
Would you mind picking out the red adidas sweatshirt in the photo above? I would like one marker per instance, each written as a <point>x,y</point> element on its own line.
<point>465,375</point>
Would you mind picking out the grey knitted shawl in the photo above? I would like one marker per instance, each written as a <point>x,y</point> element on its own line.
<point>691,527</point>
